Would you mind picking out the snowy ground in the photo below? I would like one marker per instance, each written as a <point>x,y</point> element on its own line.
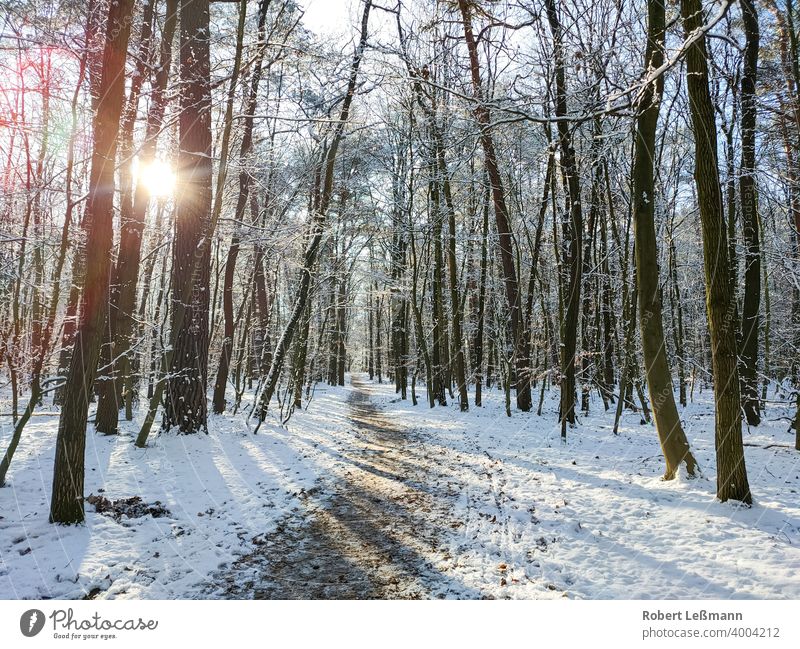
<point>592,519</point>
<point>389,500</point>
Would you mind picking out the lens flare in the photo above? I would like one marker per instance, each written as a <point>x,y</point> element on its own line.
<point>157,177</point>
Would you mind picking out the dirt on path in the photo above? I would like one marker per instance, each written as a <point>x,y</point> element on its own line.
<point>372,531</point>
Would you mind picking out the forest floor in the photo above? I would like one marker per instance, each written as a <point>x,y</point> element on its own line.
<point>364,495</point>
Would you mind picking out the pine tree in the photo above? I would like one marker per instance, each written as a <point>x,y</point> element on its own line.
<point>67,501</point>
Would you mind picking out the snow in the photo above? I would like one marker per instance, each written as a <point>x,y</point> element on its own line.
<point>593,519</point>
<point>518,513</point>
<point>222,490</point>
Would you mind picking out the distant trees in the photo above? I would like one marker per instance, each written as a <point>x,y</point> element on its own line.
<point>242,203</point>
<point>323,193</point>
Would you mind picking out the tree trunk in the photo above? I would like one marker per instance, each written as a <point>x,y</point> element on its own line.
<point>731,473</point>
<point>677,310</point>
<point>185,403</point>
<point>371,327</point>
<point>794,173</point>
<point>67,496</point>
<point>748,195</point>
<point>506,239</point>
<point>587,276</point>
<point>674,444</point>
<point>262,347</point>
<point>572,227</point>
<point>481,316</point>
<point>121,321</point>
<point>341,330</point>
<point>438,342</point>
<point>608,316</point>
<point>452,274</point>
<point>300,355</point>
<point>398,302</point>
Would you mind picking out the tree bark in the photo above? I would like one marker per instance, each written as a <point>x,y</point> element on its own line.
<point>67,496</point>
<point>185,403</point>
<point>748,195</point>
<point>720,304</point>
<point>674,444</point>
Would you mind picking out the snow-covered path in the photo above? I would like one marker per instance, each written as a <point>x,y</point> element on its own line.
<point>371,529</point>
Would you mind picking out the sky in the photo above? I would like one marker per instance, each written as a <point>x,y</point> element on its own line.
<point>328,16</point>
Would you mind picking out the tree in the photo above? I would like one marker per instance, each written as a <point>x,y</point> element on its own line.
<point>506,239</point>
<point>674,444</point>
<point>720,304</point>
<point>572,227</point>
<point>748,195</point>
<point>67,499</point>
<point>185,404</point>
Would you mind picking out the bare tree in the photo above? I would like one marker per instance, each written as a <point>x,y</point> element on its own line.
<point>731,473</point>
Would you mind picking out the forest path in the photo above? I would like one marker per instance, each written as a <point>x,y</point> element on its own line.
<point>372,530</point>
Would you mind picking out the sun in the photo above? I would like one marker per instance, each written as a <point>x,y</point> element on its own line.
<point>157,177</point>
